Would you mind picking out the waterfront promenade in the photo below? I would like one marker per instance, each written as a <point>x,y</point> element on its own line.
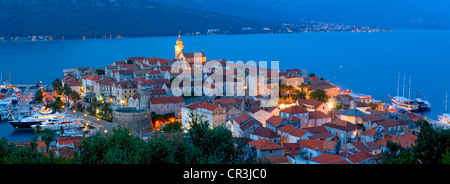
<point>97,124</point>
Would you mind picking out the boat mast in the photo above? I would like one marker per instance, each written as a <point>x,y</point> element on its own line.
<point>446,102</point>
<point>398,84</point>
<point>409,87</point>
<point>404,80</point>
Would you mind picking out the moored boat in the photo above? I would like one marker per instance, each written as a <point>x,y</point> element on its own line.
<point>445,118</point>
<point>404,103</point>
<point>35,119</point>
<point>56,124</point>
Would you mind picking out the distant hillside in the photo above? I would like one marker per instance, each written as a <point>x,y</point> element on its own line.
<point>415,14</point>
<point>95,18</point>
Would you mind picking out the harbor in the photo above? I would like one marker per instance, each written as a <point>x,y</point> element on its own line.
<point>25,108</point>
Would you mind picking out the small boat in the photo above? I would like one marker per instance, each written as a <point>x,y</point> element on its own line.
<point>5,108</point>
<point>423,104</point>
<point>445,118</point>
<point>70,132</point>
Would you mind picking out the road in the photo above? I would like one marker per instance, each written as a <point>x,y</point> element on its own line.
<point>98,124</point>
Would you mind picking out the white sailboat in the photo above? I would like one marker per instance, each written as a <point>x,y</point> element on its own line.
<point>445,118</point>
<point>401,102</point>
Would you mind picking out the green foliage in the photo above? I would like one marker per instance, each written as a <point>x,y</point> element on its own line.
<point>432,147</point>
<point>446,157</point>
<point>398,155</point>
<point>38,96</point>
<point>215,142</point>
<point>57,84</point>
<point>319,95</point>
<point>11,154</point>
<point>57,104</point>
<point>48,136</point>
<point>100,71</point>
<point>432,143</point>
<point>203,145</point>
<point>175,126</point>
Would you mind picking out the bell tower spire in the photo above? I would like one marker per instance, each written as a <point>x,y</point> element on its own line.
<point>179,47</point>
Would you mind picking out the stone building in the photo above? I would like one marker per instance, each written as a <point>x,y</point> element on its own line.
<point>138,121</point>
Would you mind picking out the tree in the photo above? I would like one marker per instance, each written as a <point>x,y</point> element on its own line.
<point>61,131</point>
<point>57,84</point>
<point>431,143</point>
<point>396,154</point>
<point>57,104</point>
<point>47,136</point>
<point>312,75</point>
<point>215,142</point>
<point>100,72</point>
<point>38,129</point>
<point>175,126</point>
<point>39,96</point>
<point>446,157</point>
<point>319,95</point>
<point>298,95</point>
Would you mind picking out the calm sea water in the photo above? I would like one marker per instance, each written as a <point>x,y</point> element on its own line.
<point>363,62</point>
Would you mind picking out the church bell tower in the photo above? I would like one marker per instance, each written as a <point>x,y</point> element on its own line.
<point>179,48</point>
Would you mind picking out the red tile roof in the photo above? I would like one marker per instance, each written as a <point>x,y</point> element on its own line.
<point>92,77</point>
<point>321,136</point>
<point>358,157</point>
<point>275,121</point>
<point>248,124</point>
<point>294,118</point>
<point>208,106</point>
<point>299,132</point>
<point>330,159</point>
<point>361,147</point>
<point>313,102</point>
<point>388,123</point>
<point>405,140</point>
<point>69,140</point>
<point>264,144</point>
<point>155,60</point>
<point>315,78</point>
<point>265,132</point>
<point>316,129</point>
<point>287,128</point>
<point>277,160</point>
<point>295,109</point>
<point>342,125</point>
<point>158,92</point>
<point>370,131</point>
<point>242,118</point>
<point>318,115</point>
<point>165,100</point>
<point>320,145</point>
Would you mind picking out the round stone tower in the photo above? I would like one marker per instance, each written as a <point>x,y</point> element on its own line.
<point>138,121</point>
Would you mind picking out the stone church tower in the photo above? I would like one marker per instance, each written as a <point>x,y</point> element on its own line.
<point>179,48</point>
